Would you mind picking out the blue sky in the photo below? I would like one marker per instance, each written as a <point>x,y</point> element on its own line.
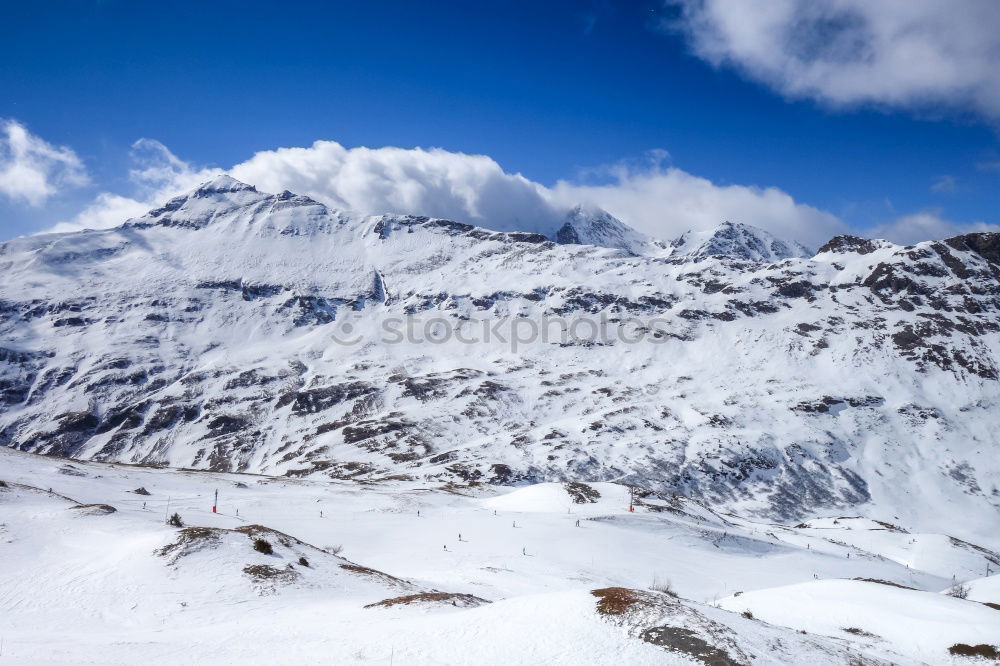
<point>554,91</point>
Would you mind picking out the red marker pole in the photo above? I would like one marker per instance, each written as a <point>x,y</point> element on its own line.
<point>215,504</point>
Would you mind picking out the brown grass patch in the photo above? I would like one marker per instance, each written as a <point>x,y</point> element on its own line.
<point>615,600</point>
<point>375,574</point>
<point>859,632</point>
<point>885,582</point>
<point>982,650</point>
<point>190,540</point>
<point>265,572</point>
<point>455,599</point>
<point>257,531</point>
<point>95,509</point>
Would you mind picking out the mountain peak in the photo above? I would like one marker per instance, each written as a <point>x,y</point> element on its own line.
<point>590,225</point>
<point>738,241</point>
<point>223,183</point>
<point>206,202</point>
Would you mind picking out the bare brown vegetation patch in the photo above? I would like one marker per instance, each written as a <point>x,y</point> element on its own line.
<point>885,582</point>
<point>95,509</point>
<point>190,540</point>
<point>615,600</point>
<point>375,574</point>
<point>982,651</point>
<point>267,573</point>
<point>455,599</point>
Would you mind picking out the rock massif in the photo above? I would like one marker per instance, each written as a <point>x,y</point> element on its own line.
<point>236,330</point>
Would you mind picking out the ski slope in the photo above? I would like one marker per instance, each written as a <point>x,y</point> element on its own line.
<point>84,584</point>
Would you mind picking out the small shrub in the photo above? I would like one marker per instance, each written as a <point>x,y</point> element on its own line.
<point>857,631</point>
<point>175,520</point>
<point>663,586</point>
<point>747,614</point>
<point>334,550</point>
<point>3,484</point>
<point>263,546</point>
<point>981,650</point>
<point>303,562</point>
<point>960,591</point>
<point>141,491</point>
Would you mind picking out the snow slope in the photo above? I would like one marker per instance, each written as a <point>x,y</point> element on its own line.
<point>82,584</point>
<point>919,625</point>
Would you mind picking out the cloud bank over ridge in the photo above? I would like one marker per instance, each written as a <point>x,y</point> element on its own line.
<point>653,197</point>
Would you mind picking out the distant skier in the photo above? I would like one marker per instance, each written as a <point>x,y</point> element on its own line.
<point>523,551</point>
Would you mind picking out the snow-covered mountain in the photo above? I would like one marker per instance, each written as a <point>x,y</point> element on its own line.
<point>236,330</point>
<point>737,241</point>
<point>586,225</point>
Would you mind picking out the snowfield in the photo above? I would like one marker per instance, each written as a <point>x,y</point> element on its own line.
<point>919,625</point>
<point>93,574</point>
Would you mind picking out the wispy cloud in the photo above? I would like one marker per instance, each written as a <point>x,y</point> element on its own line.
<point>32,169</point>
<point>944,184</point>
<point>911,54</point>
<point>926,225</point>
<point>156,175</point>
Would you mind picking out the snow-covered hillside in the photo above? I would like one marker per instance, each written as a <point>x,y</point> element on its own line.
<point>411,572</point>
<point>233,330</point>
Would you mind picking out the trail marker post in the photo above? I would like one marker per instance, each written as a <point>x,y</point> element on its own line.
<point>215,502</point>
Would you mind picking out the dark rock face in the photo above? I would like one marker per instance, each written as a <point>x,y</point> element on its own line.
<point>567,234</point>
<point>843,244</point>
<point>986,245</point>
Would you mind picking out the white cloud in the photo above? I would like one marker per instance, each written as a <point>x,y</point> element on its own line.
<point>666,202</point>
<point>31,169</point>
<point>926,225</point>
<point>435,182</point>
<point>898,53</point>
<point>662,201</point>
<point>157,176</point>
<point>944,184</point>
<point>107,210</point>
